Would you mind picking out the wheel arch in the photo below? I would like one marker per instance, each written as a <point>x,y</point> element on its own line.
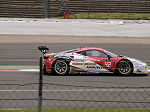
<point>125,60</point>
<point>67,60</point>
<point>60,59</point>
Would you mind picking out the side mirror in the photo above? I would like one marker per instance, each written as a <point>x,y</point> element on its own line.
<point>108,57</point>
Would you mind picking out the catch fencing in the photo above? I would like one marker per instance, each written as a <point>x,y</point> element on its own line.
<point>54,8</point>
<point>53,97</point>
<point>24,96</point>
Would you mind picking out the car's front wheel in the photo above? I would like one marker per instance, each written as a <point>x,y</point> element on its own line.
<point>124,67</point>
<point>61,67</point>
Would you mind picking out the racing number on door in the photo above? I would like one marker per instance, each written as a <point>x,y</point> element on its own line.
<point>108,64</point>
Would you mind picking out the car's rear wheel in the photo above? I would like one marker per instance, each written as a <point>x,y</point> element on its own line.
<point>124,67</point>
<point>61,67</point>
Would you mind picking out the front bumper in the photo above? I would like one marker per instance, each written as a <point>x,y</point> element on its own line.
<point>142,69</point>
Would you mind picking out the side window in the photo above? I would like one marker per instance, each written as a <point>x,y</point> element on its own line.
<point>80,52</point>
<point>92,53</point>
<point>95,53</point>
<point>103,55</point>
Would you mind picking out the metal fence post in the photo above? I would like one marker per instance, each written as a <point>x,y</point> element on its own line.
<point>128,9</point>
<point>40,85</point>
<point>46,8</point>
<point>88,9</point>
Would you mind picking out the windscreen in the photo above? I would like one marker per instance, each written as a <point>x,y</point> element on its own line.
<point>111,54</point>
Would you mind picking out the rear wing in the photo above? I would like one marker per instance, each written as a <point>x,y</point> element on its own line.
<point>43,49</point>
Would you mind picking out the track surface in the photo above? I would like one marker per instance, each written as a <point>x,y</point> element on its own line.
<point>62,95</point>
<point>102,80</point>
<point>27,54</point>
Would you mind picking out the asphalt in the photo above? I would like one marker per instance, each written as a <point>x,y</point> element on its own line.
<point>20,90</point>
<point>21,54</point>
<point>27,54</point>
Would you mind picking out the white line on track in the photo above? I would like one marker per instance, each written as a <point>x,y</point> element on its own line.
<point>19,70</point>
<point>29,70</point>
<point>81,90</point>
<point>37,70</point>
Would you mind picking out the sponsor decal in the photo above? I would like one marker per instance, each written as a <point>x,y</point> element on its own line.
<point>83,63</point>
<point>125,57</point>
<point>77,63</point>
<point>142,68</point>
<point>94,67</point>
<point>91,59</point>
<point>89,63</point>
<point>107,60</point>
<point>79,60</point>
<point>51,57</point>
<point>108,64</point>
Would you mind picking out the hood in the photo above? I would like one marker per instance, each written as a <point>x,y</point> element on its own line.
<point>137,61</point>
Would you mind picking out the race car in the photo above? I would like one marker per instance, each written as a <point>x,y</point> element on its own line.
<point>89,60</point>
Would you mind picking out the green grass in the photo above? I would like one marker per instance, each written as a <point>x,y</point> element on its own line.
<point>148,68</point>
<point>80,110</point>
<point>19,67</point>
<point>30,67</point>
<point>109,16</point>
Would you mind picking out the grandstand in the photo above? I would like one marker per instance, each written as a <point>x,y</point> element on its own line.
<point>22,8</point>
<point>35,8</point>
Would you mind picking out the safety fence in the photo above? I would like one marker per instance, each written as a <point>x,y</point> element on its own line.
<point>72,98</point>
<point>52,8</point>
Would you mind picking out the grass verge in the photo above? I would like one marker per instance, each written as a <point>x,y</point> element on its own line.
<point>148,68</point>
<point>80,110</point>
<point>30,67</point>
<point>19,67</point>
<point>109,16</point>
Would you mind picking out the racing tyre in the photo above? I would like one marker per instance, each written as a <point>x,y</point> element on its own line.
<point>61,67</point>
<point>124,67</point>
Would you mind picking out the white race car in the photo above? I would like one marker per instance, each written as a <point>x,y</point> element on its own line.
<point>90,60</point>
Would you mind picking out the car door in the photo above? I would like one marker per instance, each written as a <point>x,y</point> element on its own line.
<point>103,64</point>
